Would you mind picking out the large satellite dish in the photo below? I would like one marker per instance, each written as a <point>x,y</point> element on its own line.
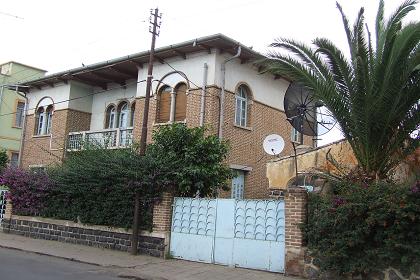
<point>273,144</point>
<point>305,114</point>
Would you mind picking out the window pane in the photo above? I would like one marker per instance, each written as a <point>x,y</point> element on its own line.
<point>181,103</point>
<point>243,116</point>
<point>238,184</point>
<point>111,121</point>
<point>19,114</point>
<point>164,108</point>
<point>238,112</point>
<point>49,119</point>
<point>14,159</point>
<point>40,123</point>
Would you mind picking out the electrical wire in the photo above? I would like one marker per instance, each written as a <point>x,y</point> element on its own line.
<point>102,91</point>
<point>80,97</point>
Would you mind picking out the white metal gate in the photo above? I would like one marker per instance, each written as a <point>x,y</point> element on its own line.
<point>2,204</point>
<point>243,233</point>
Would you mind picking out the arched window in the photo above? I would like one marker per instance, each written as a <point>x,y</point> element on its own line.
<point>241,105</point>
<point>181,102</point>
<point>110,117</point>
<point>123,115</point>
<point>48,119</point>
<point>164,104</point>
<point>39,121</point>
<point>43,116</point>
<point>132,113</point>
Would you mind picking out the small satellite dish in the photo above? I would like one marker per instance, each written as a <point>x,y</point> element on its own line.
<point>273,144</point>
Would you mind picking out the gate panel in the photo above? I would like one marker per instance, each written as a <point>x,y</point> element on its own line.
<point>223,250</point>
<point>193,229</point>
<point>244,233</point>
<point>259,231</point>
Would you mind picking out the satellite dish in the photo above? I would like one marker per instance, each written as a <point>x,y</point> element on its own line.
<point>307,115</point>
<point>273,144</point>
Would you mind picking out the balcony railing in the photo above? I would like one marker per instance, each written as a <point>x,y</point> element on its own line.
<point>106,138</point>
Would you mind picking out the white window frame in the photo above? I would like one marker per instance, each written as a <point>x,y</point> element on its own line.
<point>111,117</point>
<point>48,119</point>
<point>20,111</point>
<point>123,116</point>
<point>40,121</point>
<point>241,106</point>
<point>296,136</point>
<point>14,163</point>
<point>237,192</point>
<point>37,168</point>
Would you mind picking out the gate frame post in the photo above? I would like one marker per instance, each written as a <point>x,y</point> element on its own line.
<point>295,215</point>
<point>7,218</point>
<point>162,218</point>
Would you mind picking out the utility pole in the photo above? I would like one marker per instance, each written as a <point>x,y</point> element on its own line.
<point>154,30</point>
<point>143,138</point>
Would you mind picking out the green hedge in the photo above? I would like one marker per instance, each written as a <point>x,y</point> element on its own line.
<point>362,229</point>
<point>97,186</point>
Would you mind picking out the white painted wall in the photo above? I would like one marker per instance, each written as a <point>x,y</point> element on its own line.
<point>263,86</point>
<point>60,93</point>
<point>101,101</point>
<point>80,97</point>
<point>193,67</point>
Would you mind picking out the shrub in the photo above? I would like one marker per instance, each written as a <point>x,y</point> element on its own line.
<point>190,162</point>
<point>361,228</point>
<point>27,190</point>
<point>97,186</point>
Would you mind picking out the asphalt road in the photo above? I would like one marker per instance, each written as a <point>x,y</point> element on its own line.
<point>19,265</point>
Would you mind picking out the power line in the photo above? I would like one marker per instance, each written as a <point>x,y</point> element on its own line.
<point>80,97</point>
<point>10,15</point>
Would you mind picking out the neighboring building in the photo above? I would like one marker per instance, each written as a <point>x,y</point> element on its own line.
<point>104,102</point>
<point>12,105</point>
<point>336,159</point>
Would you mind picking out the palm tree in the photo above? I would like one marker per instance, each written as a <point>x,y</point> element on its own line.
<point>374,93</point>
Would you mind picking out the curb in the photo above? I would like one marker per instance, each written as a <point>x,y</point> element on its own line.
<point>51,255</point>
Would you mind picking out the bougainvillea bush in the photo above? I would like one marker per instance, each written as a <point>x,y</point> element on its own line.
<point>362,228</point>
<point>27,190</point>
<point>3,160</point>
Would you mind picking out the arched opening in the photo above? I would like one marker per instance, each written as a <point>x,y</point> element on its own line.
<point>241,105</point>
<point>110,117</point>
<point>39,121</point>
<point>123,115</point>
<point>181,102</point>
<point>43,116</point>
<point>48,119</point>
<point>164,104</point>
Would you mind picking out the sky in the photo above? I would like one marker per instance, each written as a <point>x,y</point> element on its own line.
<point>59,35</point>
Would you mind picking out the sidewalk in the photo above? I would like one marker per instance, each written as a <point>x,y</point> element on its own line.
<point>135,267</point>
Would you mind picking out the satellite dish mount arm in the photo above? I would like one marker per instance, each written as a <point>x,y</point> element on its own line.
<point>296,170</point>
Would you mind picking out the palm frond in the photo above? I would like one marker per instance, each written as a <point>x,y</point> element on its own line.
<point>375,94</point>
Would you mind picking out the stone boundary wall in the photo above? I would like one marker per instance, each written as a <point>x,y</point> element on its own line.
<point>150,243</point>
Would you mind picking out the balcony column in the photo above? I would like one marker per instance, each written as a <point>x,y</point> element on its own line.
<point>117,141</point>
<point>172,113</point>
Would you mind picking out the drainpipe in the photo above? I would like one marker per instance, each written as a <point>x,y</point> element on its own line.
<point>203,95</point>
<point>222,94</point>
<point>1,95</point>
<point>172,112</point>
<point>22,135</point>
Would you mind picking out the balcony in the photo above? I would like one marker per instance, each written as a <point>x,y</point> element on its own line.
<point>112,138</point>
